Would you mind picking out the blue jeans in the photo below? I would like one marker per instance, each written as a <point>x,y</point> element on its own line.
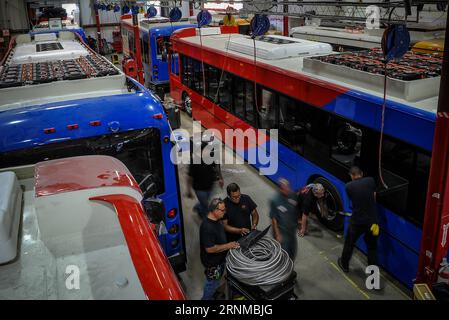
<point>203,202</point>
<point>210,287</point>
<point>289,244</point>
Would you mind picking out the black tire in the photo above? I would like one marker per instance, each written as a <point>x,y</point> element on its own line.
<point>187,104</point>
<point>332,220</point>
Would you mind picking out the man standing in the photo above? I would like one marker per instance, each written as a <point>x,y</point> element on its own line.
<point>284,218</point>
<point>201,179</point>
<point>364,221</point>
<point>214,247</point>
<point>307,200</point>
<point>241,214</point>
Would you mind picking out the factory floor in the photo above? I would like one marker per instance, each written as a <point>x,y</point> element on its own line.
<point>319,276</point>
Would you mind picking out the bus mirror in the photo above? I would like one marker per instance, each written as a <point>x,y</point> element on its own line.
<point>154,209</point>
<point>164,56</point>
<point>148,187</point>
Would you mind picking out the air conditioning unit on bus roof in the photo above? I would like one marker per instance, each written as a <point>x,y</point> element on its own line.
<point>274,47</point>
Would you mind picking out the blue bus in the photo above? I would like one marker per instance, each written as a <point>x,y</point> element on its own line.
<point>59,99</point>
<point>154,44</point>
<point>327,109</point>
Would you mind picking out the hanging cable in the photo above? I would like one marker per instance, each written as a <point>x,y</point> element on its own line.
<point>395,43</point>
<point>260,24</point>
<point>222,69</point>
<point>264,263</point>
<point>203,18</point>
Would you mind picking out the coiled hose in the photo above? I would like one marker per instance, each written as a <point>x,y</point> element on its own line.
<point>264,263</point>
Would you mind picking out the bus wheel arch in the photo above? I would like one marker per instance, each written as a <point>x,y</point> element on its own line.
<point>187,103</point>
<point>330,217</point>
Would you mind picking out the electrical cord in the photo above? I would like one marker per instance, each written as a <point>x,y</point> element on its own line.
<point>264,263</point>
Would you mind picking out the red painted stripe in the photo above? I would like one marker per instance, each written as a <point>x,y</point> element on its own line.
<point>312,91</point>
<point>81,173</point>
<point>155,273</point>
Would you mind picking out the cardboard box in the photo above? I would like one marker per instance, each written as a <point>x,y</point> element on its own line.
<point>422,292</point>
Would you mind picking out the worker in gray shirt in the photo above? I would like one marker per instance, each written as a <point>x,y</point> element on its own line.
<point>284,217</point>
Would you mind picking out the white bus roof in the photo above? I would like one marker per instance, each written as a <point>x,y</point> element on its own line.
<point>349,78</point>
<point>336,36</point>
<point>55,67</point>
<point>364,38</point>
<point>64,233</point>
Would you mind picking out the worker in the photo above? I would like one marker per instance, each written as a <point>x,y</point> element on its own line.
<point>201,179</point>
<point>214,247</point>
<point>364,220</point>
<point>284,218</point>
<point>241,214</point>
<point>307,203</point>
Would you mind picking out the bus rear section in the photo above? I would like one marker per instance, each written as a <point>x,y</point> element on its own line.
<point>75,228</point>
<point>326,122</point>
<point>69,101</point>
<point>154,36</point>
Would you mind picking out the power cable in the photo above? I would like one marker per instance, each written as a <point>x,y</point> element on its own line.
<point>264,263</point>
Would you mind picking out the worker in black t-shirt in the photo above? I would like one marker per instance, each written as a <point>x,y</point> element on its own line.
<point>201,178</point>
<point>241,214</point>
<point>364,220</point>
<point>307,203</point>
<point>214,247</point>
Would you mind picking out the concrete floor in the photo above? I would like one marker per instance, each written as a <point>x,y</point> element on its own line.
<point>319,276</point>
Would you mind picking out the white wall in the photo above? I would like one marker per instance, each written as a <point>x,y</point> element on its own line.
<point>13,14</point>
<point>87,15</point>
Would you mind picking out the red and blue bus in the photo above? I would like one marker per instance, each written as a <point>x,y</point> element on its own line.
<point>328,111</point>
<point>58,98</point>
<point>154,45</point>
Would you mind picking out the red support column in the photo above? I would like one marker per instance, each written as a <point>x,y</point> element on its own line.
<point>190,8</point>
<point>285,28</point>
<point>99,41</point>
<point>138,52</point>
<point>434,241</point>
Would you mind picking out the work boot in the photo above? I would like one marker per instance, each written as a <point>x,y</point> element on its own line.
<point>340,264</point>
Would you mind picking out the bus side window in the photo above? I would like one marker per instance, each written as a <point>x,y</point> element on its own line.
<point>317,124</point>
<point>191,74</point>
<point>291,130</point>
<point>397,160</point>
<point>212,84</point>
<point>249,101</point>
<point>225,90</point>
<point>266,109</point>
<point>346,143</point>
<point>239,97</point>
<point>174,63</point>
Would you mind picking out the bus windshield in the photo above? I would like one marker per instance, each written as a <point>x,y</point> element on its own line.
<point>139,150</point>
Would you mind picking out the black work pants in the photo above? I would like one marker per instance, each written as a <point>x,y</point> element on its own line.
<point>353,234</point>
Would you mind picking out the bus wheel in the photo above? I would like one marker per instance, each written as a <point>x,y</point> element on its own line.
<point>330,206</point>
<point>187,104</point>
